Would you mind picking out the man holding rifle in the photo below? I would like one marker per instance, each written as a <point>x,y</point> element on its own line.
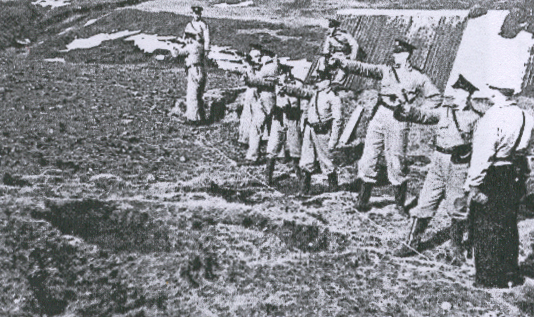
<point>400,83</point>
<point>251,65</point>
<point>322,124</point>
<point>455,121</point>
<point>265,81</point>
<point>285,126</point>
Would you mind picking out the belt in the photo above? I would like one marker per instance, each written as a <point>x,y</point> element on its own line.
<point>195,64</point>
<point>444,150</point>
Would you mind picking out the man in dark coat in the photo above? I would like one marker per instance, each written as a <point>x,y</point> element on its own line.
<point>496,183</point>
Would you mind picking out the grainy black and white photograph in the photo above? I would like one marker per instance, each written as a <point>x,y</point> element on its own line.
<point>256,158</point>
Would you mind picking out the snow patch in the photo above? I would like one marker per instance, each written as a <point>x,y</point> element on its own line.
<point>51,3</point>
<point>225,57</point>
<point>148,43</point>
<point>411,13</point>
<point>55,60</point>
<point>96,40</point>
<point>92,21</point>
<point>240,4</point>
<point>273,33</point>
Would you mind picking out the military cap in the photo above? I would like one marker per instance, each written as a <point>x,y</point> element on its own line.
<point>508,92</point>
<point>197,9</point>
<point>403,46</point>
<point>464,84</point>
<point>333,23</point>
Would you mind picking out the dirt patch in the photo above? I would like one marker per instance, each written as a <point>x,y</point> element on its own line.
<point>107,226</point>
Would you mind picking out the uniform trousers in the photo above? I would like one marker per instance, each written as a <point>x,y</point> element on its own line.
<point>315,150</point>
<point>385,136</point>
<point>443,185</point>
<point>245,121</point>
<point>196,83</point>
<point>284,133</point>
<point>260,109</point>
<point>496,238</point>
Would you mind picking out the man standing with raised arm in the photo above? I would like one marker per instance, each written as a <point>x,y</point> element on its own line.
<point>400,83</point>
<point>455,121</point>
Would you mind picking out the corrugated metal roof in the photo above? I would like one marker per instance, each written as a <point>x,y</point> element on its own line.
<point>437,37</point>
<point>446,42</point>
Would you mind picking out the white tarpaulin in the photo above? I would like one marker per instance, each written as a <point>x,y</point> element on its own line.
<point>484,57</point>
<point>51,3</point>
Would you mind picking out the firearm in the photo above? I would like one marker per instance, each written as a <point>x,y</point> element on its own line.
<point>178,40</point>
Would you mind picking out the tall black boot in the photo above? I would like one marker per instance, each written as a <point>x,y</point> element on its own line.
<point>457,234</point>
<point>296,167</point>
<point>400,197</point>
<point>363,198</point>
<point>269,170</point>
<point>305,185</point>
<point>413,244</point>
<point>333,183</point>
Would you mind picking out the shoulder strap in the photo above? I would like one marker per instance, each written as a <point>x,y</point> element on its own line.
<point>395,73</point>
<point>317,107</point>
<point>516,144</point>
<point>462,133</point>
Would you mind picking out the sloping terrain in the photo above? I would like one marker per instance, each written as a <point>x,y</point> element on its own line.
<point>112,208</point>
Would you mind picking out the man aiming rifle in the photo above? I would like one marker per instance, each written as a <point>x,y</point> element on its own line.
<point>400,83</point>
<point>285,127</point>
<point>264,80</point>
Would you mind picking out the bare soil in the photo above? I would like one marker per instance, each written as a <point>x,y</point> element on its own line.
<point>112,208</point>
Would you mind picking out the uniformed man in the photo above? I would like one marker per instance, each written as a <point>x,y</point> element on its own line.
<point>252,64</point>
<point>322,121</point>
<point>199,27</point>
<point>193,50</point>
<point>338,44</point>
<point>455,123</point>
<point>400,83</point>
<point>285,126</point>
<point>265,81</point>
<point>496,183</point>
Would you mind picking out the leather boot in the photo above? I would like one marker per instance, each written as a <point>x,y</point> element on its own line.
<point>400,197</point>
<point>296,168</point>
<point>363,198</point>
<point>413,244</point>
<point>305,185</point>
<point>332,182</point>
<point>457,234</point>
<point>269,170</point>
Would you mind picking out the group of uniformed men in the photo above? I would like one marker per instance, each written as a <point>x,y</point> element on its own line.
<point>478,164</point>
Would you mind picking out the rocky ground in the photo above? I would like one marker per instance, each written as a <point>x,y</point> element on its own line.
<point>111,207</point>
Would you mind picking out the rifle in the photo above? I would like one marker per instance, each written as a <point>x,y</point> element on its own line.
<point>177,40</point>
